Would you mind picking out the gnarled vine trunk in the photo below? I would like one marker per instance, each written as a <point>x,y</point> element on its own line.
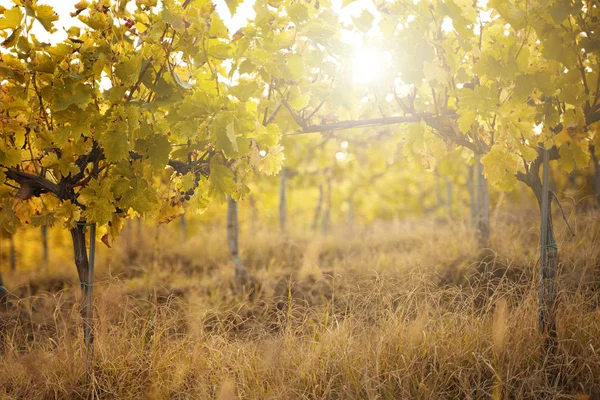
<point>85,275</point>
<point>548,257</point>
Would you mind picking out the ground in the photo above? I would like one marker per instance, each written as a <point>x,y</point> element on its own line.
<point>405,309</point>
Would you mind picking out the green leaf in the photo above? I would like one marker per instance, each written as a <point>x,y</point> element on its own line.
<point>524,85</point>
<point>220,50</point>
<point>45,219</point>
<point>141,198</point>
<point>500,167</point>
<point>232,5</point>
<point>8,220</point>
<point>9,157</point>
<point>43,63</point>
<point>12,19</point>
<point>220,180</point>
<point>231,136</point>
<point>157,149</point>
<point>99,202</point>
<point>128,71</point>
<point>246,67</point>
<point>69,213</point>
<point>171,18</point>
<point>298,12</point>
<point>115,144</point>
<point>272,162</point>
<point>528,153</point>
<point>573,155</point>
<point>269,136</point>
<point>71,92</point>
<point>364,21</point>
<point>466,120</point>
<point>295,65</point>
<point>99,212</point>
<point>562,9</point>
<point>516,17</point>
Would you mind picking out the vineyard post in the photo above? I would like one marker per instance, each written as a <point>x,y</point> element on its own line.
<point>283,201</point>
<point>241,274</point>
<point>89,300</point>
<point>483,205</point>
<point>317,214</point>
<point>548,260</point>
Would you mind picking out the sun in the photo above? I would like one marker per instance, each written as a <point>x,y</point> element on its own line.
<point>367,63</point>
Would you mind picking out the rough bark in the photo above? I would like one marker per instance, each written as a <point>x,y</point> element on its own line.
<point>83,272</point>
<point>241,274</point>
<point>283,201</point>
<point>549,256</point>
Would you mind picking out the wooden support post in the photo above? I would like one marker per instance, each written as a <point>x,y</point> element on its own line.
<point>548,260</point>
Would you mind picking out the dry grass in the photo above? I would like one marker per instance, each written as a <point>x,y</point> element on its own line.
<point>404,310</point>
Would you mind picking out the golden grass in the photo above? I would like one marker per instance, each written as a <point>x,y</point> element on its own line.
<point>403,310</point>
